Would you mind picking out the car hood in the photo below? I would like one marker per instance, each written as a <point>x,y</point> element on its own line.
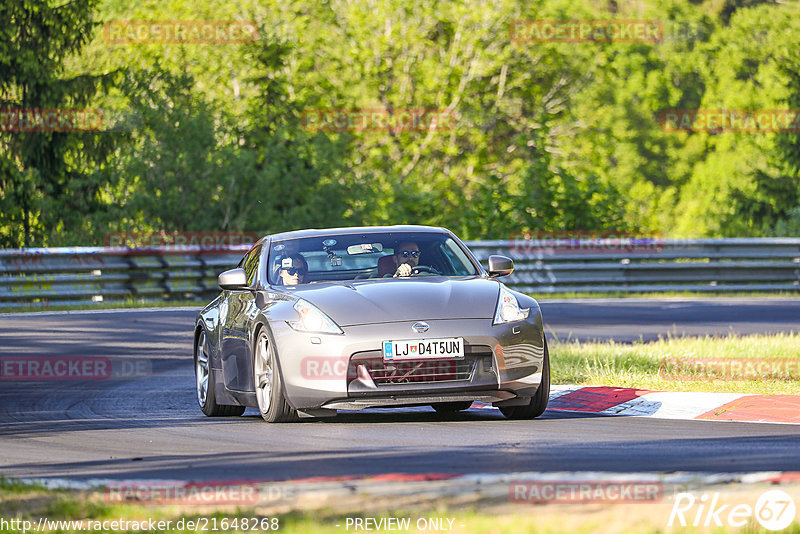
<point>382,301</point>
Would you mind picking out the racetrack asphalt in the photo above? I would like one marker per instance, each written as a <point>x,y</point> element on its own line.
<point>150,427</point>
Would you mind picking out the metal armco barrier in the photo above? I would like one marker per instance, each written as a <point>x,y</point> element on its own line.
<point>79,275</point>
<point>545,266</point>
<point>649,264</point>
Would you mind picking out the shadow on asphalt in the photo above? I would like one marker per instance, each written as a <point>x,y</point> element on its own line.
<point>543,454</point>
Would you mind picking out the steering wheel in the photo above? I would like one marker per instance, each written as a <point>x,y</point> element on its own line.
<point>424,269</point>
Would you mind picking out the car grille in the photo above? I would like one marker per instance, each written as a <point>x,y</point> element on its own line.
<point>415,371</point>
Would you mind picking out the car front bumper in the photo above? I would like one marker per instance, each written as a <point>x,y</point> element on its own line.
<point>503,364</point>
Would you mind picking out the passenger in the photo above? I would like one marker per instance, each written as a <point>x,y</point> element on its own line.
<point>292,270</point>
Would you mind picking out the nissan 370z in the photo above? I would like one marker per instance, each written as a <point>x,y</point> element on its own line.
<point>316,321</point>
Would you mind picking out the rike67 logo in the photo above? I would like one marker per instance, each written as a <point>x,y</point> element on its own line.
<point>774,510</point>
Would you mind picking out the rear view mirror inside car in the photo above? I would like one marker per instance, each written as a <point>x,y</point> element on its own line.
<point>365,248</point>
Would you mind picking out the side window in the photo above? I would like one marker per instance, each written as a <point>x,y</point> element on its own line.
<point>250,264</point>
<point>455,258</point>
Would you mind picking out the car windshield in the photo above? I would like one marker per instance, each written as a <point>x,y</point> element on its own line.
<point>367,255</point>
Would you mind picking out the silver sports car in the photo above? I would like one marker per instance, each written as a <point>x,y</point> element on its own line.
<point>316,321</point>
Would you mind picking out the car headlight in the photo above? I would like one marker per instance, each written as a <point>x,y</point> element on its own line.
<point>311,319</point>
<point>508,309</point>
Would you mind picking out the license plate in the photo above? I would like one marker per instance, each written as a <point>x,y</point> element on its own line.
<point>407,349</point>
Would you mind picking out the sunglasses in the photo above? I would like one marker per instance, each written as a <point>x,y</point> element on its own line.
<point>407,253</point>
<point>294,271</point>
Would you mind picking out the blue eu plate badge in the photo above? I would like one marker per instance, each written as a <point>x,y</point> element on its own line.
<point>387,350</point>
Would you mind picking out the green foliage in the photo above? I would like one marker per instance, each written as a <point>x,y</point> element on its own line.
<point>548,136</point>
<point>744,183</point>
<point>176,164</point>
<point>48,178</point>
<point>788,226</point>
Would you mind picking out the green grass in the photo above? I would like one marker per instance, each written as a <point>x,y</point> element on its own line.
<point>18,501</point>
<point>706,363</point>
<point>10,486</point>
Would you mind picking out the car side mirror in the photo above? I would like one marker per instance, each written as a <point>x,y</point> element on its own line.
<point>233,279</point>
<point>500,266</point>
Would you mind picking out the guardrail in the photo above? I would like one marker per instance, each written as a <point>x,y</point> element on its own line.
<point>545,266</point>
<point>649,264</point>
<point>80,275</point>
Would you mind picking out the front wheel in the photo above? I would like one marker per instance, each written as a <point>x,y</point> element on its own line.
<point>538,403</point>
<point>272,404</point>
<point>204,381</point>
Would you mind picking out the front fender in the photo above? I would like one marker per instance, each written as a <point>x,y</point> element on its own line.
<point>210,320</point>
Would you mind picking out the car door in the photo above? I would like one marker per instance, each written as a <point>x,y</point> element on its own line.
<point>241,310</point>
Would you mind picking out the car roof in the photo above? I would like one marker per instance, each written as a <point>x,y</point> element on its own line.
<point>317,232</point>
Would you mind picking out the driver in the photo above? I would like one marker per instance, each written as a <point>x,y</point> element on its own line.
<point>406,257</point>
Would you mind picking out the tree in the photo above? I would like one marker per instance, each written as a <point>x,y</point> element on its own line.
<point>192,167</point>
<point>295,178</point>
<point>48,178</point>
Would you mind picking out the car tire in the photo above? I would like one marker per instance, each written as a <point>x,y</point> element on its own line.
<point>204,382</point>
<point>451,407</point>
<point>538,403</point>
<point>267,382</point>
